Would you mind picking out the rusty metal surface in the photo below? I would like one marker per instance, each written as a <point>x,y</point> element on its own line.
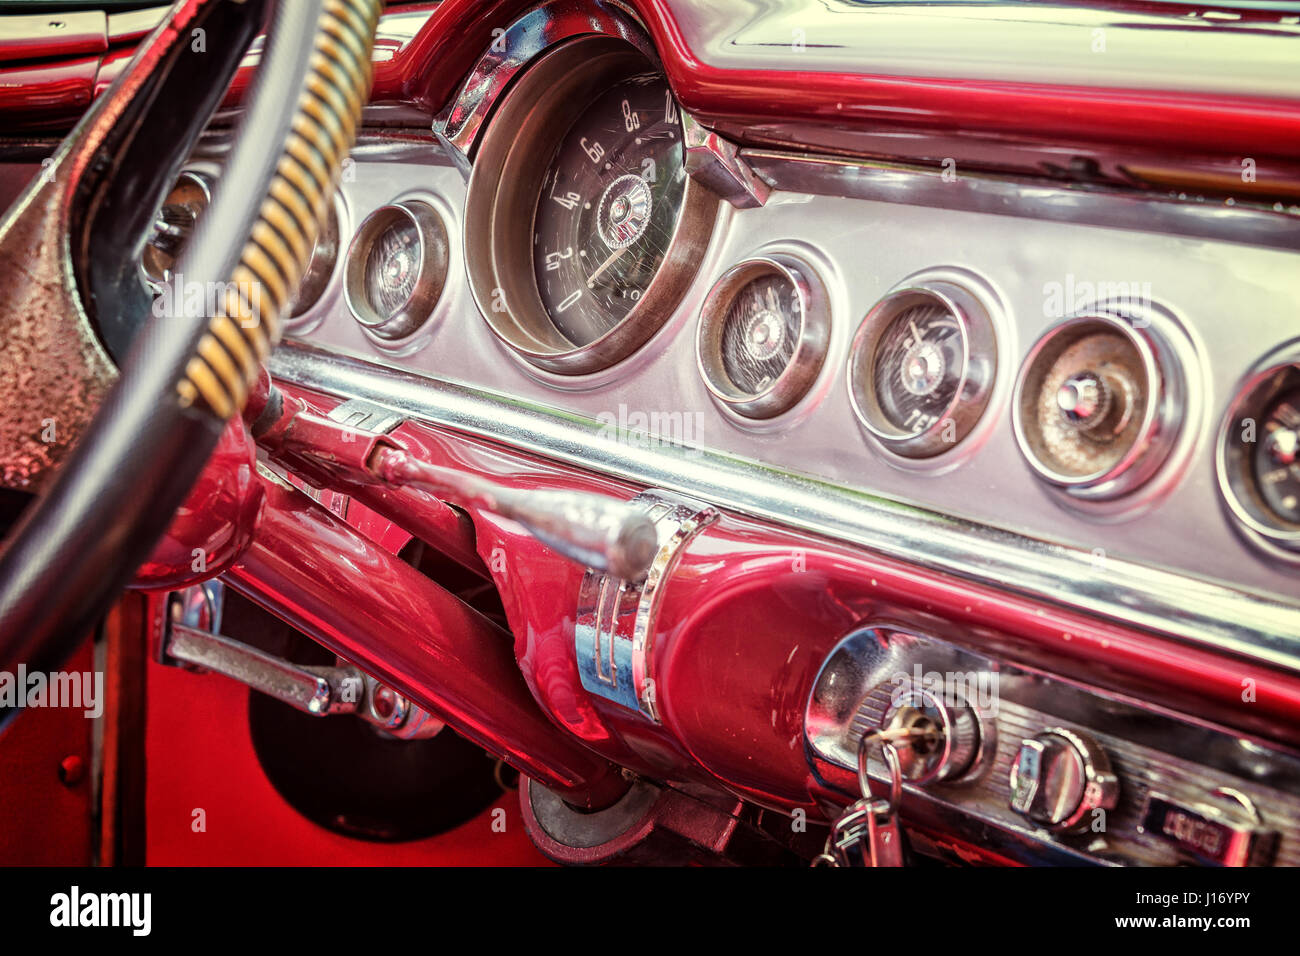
<point>54,372</point>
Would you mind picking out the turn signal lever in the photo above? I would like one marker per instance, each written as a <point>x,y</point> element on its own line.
<point>597,532</point>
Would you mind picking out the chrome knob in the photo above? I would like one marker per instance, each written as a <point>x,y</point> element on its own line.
<point>1060,778</point>
<point>1084,400</point>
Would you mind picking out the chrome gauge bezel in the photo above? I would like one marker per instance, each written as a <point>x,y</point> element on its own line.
<point>1253,519</point>
<point>1163,410</point>
<point>811,344</point>
<point>501,202</point>
<point>204,180</point>
<point>325,263</point>
<point>429,284</point>
<point>975,319</point>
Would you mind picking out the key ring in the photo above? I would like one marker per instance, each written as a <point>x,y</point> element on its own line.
<point>892,760</point>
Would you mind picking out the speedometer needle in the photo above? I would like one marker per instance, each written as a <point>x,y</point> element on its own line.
<point>591,279</point>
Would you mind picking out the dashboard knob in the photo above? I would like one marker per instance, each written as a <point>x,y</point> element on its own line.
<point>1059,778</point>
<point>1083,399</point>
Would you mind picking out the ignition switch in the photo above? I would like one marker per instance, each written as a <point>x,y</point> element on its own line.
<point>950,748</point>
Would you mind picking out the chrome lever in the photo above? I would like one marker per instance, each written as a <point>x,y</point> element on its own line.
<point>602,533</point>
<point>313,690</point>
<point>191,640</point>
<point>606,534</point>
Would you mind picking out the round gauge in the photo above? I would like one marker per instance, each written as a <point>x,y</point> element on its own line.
<point>1276,461</point>
<point>392,267</point>
<point>1096,406</point>
<point>1259,455</point>
<point>918,366</point>
<point>610,198</point>
<point>320,269</point>
<point>575,261</point>
<point>396,270</point>
<point>763,334</point>
<point>922,368</point>
<point>173,226</point>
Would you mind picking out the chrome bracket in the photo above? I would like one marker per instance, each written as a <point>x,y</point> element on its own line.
<point>361,415</point>
<point>716,162</point>
<point>614,626</point>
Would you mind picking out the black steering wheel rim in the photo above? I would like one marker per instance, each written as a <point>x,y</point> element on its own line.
<point>79,543</point>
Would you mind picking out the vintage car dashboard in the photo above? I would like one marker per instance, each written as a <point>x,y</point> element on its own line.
<point>897,418</point>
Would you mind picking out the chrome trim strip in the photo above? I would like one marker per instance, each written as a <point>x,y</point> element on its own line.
<point>1261,628</point>
<point>1276,227</point>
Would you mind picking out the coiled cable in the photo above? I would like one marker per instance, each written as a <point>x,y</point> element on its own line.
<point>246,326</point>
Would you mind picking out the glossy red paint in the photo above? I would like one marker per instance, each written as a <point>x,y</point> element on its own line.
<point>431,67</point>
<point>749,616</point>
<point>52,94</point>
<point>44,822</point>
<point>1172,120</point>
<point>46,95</point>
<point>753,611</point>
<point>37,37</point>
<point>423,53</point>
<point>217,521</point>
<point>248,822</point>
<point>302,425</point>
<point>305,564</point>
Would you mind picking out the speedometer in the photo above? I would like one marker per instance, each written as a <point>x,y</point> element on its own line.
<point>583,229</point>
<point>609,201</point>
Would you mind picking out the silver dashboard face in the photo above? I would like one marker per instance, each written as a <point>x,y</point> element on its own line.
<point>1234,302</point>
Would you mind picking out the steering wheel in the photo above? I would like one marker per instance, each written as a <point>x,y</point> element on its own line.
<point>113,457</point>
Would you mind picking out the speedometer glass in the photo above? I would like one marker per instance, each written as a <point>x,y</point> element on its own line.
<point>609,203</point>
<point>583,228</point>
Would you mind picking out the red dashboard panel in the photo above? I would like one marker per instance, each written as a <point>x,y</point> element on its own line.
<point>423,52</point>
<point>750,615</point>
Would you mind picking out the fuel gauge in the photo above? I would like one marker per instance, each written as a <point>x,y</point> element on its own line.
<point>763,334</point>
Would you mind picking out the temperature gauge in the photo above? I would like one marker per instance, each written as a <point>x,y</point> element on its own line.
<point>921,368</point>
